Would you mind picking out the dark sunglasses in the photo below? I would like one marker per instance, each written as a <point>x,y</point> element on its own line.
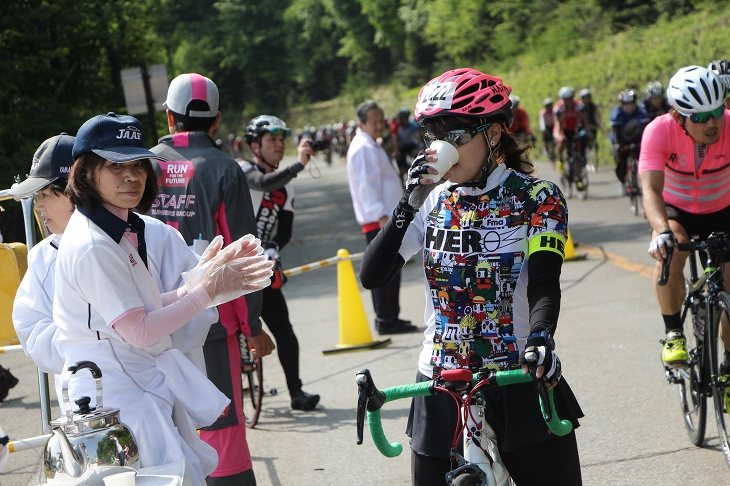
<point>284,132</point>
<point>705,115</point>
<point>457,138</point>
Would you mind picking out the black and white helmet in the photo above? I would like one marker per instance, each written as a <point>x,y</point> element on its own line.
<point>265,123</point>
<point>722,69</point>
<point>694,89</point>
<point>655,89</point>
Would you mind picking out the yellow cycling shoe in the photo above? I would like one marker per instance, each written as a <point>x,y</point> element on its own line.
<point>675,348</point>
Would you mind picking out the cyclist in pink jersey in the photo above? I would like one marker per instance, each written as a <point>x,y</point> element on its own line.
<point>683,165</point>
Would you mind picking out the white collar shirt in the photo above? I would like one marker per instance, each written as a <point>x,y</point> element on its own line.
<point>375,185</point>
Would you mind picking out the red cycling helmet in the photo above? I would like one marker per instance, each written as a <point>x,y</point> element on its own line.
<point>465,92</point>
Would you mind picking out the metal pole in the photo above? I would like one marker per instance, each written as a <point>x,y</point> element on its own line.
<point>150,101</point>
<point>43,389</point>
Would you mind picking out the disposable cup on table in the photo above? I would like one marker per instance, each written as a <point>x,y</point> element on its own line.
<point>127,478</point>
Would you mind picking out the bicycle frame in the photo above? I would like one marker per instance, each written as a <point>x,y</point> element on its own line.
<point>463,386</point>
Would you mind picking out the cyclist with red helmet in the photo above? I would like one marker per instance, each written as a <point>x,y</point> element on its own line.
<point>683,162</point>
<point>571,116</point>
<point>491,235</point>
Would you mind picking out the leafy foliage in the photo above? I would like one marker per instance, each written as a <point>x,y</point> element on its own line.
<point>60,59</point>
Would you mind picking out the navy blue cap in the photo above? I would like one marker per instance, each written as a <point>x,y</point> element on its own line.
<point>113,137</point>
<point>52,160</point>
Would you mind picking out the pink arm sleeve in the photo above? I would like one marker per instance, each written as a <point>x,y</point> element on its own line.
<point>173,296</point>
<point>141,329</point>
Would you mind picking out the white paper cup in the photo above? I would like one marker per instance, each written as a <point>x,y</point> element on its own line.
<point>126,478</point>
<point>447,157</point>
<point>199,246</point>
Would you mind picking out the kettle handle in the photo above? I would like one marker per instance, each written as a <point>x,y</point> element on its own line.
<point>95,373</point>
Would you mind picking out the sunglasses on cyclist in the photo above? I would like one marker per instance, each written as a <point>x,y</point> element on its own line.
<point>284,132</point>
<point>705,115</point>
<point>457,138</point>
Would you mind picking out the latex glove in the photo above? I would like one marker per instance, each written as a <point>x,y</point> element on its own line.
<point>236,278</point>
<point>211,251</point>
<point>418,188</point>
<point>245,247</point>
<point>658,246</point>
<point>542,355</point>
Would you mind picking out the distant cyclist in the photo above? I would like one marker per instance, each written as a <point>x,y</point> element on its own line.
<point>722,69</point>
<point>655,104</point>
<point>684,155</point>
<point>407,135</point>
<point>571,117</point>
<point>546,122</point>
<point>593,114</point>
<point>627,124</point>
<point>521,125</point>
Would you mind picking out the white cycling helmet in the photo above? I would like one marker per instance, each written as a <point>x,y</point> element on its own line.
<point>566,93</point>
<point>694,89</point>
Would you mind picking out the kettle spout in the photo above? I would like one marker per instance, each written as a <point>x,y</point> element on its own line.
<point>73,463</point>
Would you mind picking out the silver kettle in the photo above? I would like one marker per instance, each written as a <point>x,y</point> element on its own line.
<point>88,442</point>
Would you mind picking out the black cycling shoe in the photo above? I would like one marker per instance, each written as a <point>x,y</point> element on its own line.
<point>302,400</point>
<point>399,327</point>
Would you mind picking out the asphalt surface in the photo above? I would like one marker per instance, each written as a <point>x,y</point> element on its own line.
<point>607,339</point>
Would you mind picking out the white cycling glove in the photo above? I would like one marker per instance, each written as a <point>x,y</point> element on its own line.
<point>665,238</point>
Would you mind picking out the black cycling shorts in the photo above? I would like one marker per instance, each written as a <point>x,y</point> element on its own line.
<point>701,225</point>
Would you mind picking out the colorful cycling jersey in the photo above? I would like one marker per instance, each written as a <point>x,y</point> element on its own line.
<point>521,122</point>
<point>569,119</point>
<point>699,190</point>
<point>476,248</point>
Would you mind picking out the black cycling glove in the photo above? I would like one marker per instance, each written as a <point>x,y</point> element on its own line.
<point>416,193</point>
<point>539,351</point>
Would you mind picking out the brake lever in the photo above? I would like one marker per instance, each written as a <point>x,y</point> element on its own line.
<point>664,277</point>
<point>369,398</point>
<point>539,383</point>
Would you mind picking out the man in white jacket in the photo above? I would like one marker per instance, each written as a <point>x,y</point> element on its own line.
<point>375,187</point>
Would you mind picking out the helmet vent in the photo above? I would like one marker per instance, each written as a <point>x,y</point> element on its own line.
<point>462,102</point>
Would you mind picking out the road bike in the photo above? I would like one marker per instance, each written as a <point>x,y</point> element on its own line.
<point>480,465</point>
<point>549,145</point>
<point>252,378</point>
<point>575,171</point>
<point>708,303</point>
<point>633,186</point>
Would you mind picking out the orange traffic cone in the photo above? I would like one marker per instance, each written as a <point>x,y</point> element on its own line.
<point>570,254</point>
<point>354,330</point>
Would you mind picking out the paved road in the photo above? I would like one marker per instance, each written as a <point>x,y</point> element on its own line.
<point>608,343</point>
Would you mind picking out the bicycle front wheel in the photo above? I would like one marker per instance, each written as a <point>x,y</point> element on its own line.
<point>721,385</point>
<point>252,377</point>
<point>692,398</point>
<point>467,479</point>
